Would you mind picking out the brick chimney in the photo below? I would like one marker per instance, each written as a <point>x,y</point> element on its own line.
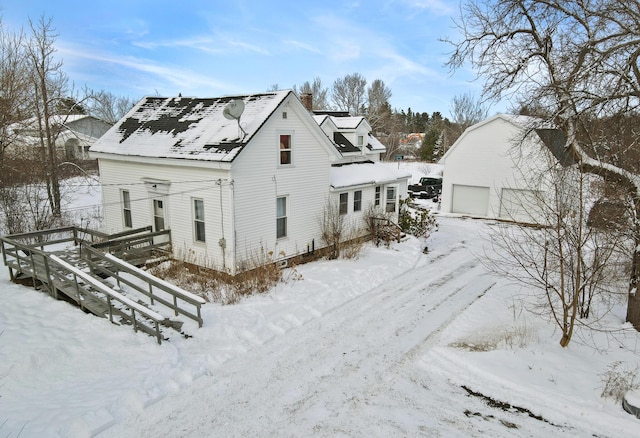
<point>307,101</point>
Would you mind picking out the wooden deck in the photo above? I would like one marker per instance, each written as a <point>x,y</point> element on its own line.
<point>74,265</point>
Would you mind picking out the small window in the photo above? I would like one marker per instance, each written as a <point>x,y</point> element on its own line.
<point>391,200</point>
<point>126,209</point>
<point>198,220</point>
<point>344,203</point>
<point>158,214</point>
<point>357,200</point>
<point>281,217</point>
<point>360,140</point>
<point>284,114</point>
<point>285,149</point>
<point>376,201</point>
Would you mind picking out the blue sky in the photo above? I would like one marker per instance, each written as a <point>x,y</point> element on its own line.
<point>214,48</point>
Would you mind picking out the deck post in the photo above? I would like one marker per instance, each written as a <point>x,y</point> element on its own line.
<point>133,320</point>
<point>110,309</point>
<point>158,335</point>
<point>75,279</point>
<point>52,289</point>
<point>33,270</point>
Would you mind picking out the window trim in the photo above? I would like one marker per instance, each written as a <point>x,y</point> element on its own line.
<point>357,200</point>
<point>387,199</point>
<point>343,206</point>
<point>283,217</point>
<point>282,150</point>
<point>155,217</point>
<point>127,215</point>
<point>377,196</point>
<point>196,221</point>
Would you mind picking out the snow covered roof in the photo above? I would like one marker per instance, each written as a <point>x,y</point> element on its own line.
<point>519,121</point>
<point>348,122</point>
<point>374,144</point>
<point>185,127</point>
<point>356,174</point>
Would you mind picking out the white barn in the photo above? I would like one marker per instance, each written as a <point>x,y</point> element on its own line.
<point>232,190</point>
<point>495,169</point>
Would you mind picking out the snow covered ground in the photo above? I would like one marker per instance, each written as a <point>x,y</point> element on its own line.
<point>395,343</point>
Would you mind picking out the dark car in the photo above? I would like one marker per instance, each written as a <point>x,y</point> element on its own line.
<point>428,187</point>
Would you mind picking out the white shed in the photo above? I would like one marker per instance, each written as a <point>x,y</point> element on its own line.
<point>495,170</point>
<point>232,191</point>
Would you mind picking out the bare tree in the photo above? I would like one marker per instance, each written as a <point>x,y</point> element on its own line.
<point>566,260</point>
<point>14,87</point>
<point>348,94</point>
<point>465,111</point>
<point>107,106</point>
<point>49,87</point>
<point>379,109</point>
<point>319,93</point>
<point>577,58</point>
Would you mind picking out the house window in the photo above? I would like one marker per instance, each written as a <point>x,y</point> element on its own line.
<point>158,214</point>
<point>360,140</point>
<point>285,149</point>
<point>198,220</point>
<point>376,201</point>
<point>284,114</point>
<point>344,203</point>
<point>357,200</point>
<point>391,200</point>
<point>281,217</point>
<point>126,209</point>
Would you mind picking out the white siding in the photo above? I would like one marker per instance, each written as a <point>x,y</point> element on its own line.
<point>259,180</point>
<point>186,183</point>
<point>491,155</point>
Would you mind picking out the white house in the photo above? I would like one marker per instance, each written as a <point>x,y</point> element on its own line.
<point>496,169</point>
<point>73,135</point>
<point>235,177</point>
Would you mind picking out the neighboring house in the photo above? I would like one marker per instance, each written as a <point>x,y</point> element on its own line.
<point>74,134</point>
<point>496,169</point>
<point>234,191</point>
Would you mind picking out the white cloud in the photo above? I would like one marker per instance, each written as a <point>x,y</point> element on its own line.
<point>176,78</point>
<point>303,46</point>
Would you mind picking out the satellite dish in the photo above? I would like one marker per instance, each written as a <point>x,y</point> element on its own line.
<point>233,110</point>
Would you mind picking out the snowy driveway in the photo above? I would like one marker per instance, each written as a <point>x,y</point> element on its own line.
<point>353,372</point>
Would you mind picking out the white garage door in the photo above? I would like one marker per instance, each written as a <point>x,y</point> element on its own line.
<point>519,205</point>
<point>472,200</point>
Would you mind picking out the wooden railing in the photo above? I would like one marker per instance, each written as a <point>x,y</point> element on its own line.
<point>135,246</point>
<point>157,290</point>
<point>25,253</point>
<point>386,230</point>
<point>57,276</point>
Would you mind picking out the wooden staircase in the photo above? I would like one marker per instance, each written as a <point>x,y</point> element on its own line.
<point>65,263</point>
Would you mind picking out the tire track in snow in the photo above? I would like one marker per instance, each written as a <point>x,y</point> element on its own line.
<point>329,365</point>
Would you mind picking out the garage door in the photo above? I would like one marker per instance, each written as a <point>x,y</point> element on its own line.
<point>519,205</point>
<point>473,200</point>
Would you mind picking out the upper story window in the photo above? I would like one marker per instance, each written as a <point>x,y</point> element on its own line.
<point>285,149</point>
<point>344,203</point>
<point>360,140</point>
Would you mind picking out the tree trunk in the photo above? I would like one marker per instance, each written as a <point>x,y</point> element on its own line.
<point>633,303</point>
